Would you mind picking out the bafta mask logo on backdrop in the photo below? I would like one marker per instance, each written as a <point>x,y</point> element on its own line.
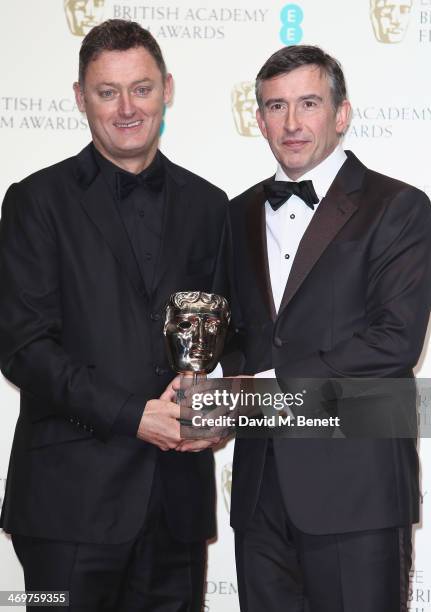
<point>82,15</point>
<point>226,484</point>
<point>390,19</point>
<point>244,108</point>
<point>291,17</point>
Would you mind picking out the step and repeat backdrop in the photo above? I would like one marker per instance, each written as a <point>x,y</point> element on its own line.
<point>214,50</point>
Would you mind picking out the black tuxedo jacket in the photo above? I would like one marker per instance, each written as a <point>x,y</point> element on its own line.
<point>80,336</point>
<point>356,304</point>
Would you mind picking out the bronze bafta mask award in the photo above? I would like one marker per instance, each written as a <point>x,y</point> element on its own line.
<point>195,330</point>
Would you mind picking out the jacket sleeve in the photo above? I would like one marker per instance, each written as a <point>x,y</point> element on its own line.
<point>232,360</point>
<point>31,353</point>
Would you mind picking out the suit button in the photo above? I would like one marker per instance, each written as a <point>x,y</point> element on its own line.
<point>154,316</point>
<point>278,342</point>
<point>160,371</point>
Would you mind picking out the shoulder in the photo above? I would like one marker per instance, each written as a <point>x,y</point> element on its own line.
<point>390,187</point>
<point>250,193</point>
<point>193,181</point>
<point>381,189</point>
<point>46,178</point>
<point>248,196</point>
<point>42,192</point>
<point>401,203</point>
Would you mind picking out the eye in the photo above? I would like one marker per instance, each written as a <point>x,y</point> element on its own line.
<point>142,91</point>
<point>184,325</point>
<point>212,325</point>
<point>309,104</point>
<point>106,94</point>
<point>277,107</point>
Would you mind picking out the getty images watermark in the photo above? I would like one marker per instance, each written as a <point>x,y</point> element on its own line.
<point>339,408</point>
<point>235,402</point>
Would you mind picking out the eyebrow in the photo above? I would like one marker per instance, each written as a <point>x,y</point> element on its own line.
<point>112,84</point>
<point>300,99</point>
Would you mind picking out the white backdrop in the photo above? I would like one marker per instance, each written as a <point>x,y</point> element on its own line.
<point>214,50</point>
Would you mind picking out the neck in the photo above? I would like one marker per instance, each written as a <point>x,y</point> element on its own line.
<point>296,175</point>
<point>133,165</point>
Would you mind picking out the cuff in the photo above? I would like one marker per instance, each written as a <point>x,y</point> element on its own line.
<point>129,417</point>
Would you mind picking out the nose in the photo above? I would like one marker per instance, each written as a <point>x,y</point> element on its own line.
<point>126,105</point>
<point>291,123</point>
<point>200,332</point>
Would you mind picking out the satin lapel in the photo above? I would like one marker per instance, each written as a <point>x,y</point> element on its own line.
<point>100,207</point>
<point>256,234</point>
<point>175,215</point>
<point>333,212</point>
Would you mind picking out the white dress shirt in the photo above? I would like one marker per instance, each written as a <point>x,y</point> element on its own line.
<point>286,226</point>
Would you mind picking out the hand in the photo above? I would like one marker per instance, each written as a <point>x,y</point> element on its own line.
<point>195,446</point>
<point>159,424</point>
<point>240,376</point>
<point>169,394</point>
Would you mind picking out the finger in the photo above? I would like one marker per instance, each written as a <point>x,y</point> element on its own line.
<point>168,394</point>
<point>209,385</point>
<point>198,445</point>
<point>166,408</point>
<point>193,447</point>
<point>176,383</point>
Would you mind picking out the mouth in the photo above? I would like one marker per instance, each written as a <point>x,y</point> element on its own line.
<point>294,144</point>
<point>128,125</point>
<point>199,353</point>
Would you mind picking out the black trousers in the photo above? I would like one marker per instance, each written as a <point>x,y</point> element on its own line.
<point>281,569</point>
<point>154,572</point>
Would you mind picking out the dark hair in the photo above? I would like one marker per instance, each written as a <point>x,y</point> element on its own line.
<point>289,58</point>
<point>117,35</point>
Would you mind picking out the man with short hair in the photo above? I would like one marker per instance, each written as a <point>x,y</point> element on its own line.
<point>91,250</point>
<point>332,268</point>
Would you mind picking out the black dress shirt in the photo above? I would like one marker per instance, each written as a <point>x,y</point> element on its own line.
<point>142,213</point>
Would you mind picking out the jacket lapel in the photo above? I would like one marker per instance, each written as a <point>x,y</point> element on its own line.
<point>99,205</point>
<point>256,234</point>
<point>331,215</point>
<point>174,218</point>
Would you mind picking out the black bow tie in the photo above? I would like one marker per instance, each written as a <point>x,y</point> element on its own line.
<point>127,182</point>
<point>278,192</point>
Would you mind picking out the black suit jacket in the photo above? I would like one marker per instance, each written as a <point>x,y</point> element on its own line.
<point>80,337</point>
<point>356,304</point>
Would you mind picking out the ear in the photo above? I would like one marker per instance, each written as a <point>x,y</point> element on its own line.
<point>79,97</point>
<point>168,88</point>
<point>261,123</point>
<point>342,118</point>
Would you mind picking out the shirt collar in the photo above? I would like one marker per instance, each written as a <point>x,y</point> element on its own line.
<point>322,175</point>
<point>109,170</point>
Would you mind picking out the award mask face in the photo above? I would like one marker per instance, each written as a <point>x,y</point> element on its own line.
<point>82,15</point>
<point>195,329</point>
<point>390,19</point>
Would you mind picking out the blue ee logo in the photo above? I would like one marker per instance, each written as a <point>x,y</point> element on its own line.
<point>291,17</point>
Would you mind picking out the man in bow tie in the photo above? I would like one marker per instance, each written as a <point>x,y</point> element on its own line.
<point>331,264</point>
<point>91,250</point>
